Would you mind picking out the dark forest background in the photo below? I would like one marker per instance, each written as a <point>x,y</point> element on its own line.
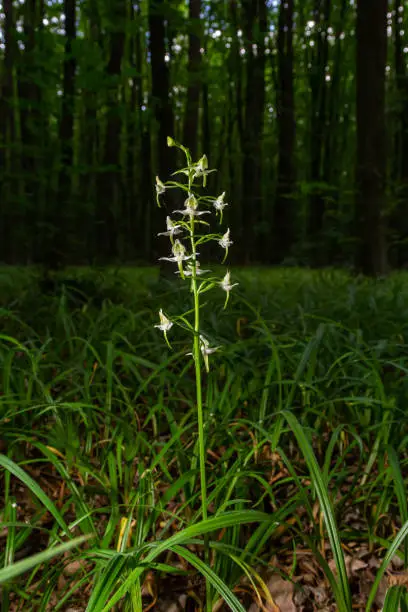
<point>301,105</point>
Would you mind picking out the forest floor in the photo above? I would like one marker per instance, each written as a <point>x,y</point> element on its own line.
<point>306,424</point>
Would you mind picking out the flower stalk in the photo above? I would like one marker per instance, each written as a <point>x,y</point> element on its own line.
<point>187,229</point>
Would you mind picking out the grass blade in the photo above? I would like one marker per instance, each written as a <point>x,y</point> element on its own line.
<point>327,509</point>
<point>20,567</point>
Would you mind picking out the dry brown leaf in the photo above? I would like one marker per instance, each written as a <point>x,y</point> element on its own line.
<point>282,593</point>
<point>353,565</point>
<point>72,568</point>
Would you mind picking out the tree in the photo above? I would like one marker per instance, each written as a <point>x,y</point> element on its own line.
<point>59,218</point>
<point>33,132</point>
<point>371,33</point>
<point>398,218</point>
<point>284,217</point>
<point>319,127</point>
<point>160,104</point>
<point>9,139</point>
<point>110,181</point>
<point>191,126</point>
<point>255,28</point>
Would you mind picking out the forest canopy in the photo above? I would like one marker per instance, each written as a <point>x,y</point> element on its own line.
<point>300,105</point>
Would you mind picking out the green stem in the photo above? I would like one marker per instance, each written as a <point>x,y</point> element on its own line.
<point>199,400</point>
<point>200,412</point>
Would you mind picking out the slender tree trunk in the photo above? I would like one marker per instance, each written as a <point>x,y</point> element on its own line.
<point>206,122</point>
<point>284,211</point>
<point>398,219</point>
<point>236,115</point>
<point>9,160</point>
<point>163,113</point>
<point>190,128</point>
<point>333,149</point>
<point>90,135</point>
<point>319,127</point>
<point>255,27</point>
<point>110,179</point>
<point>371,34</point>
<point>32,127</point>
<point>60,215</point>
<point>141,217</point>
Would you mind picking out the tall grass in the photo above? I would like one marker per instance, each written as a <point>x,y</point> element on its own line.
<point>100,470</point>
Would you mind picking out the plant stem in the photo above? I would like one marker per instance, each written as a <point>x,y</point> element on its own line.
<point>199,400</point>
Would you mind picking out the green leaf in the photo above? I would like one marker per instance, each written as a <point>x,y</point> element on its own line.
<point>402,534</point>
<point>229,519</point>
<point>220,586</point>
<point>20,567</point>
<point>13,468</point>
<point>344,595</point>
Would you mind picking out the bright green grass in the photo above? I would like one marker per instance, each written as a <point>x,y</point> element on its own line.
<point>314,365</point>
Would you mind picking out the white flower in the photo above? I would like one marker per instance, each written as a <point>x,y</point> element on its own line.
<point>160,187</point>
<point>201,169</point>
<point>225,241</point>
<point>227,286</point>
<point>219,203</point>
<point>206,350</point>
<point>165,323</point>
<point>190,268</point>
<point>226,283</point>
<point>201,166</point>
<point>205,346</point>
<point>191,207</point>
<point>178,251</point>
<point>172,228</point>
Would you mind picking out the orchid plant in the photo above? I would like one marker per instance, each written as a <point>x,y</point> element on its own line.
<point>186,235</point>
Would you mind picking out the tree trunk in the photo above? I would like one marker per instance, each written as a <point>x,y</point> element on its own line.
<point>32,127</point>
<point>60,216</point>
<point>141,219</point>
<point>110,180</point>
<point>398,219</point>
<point>284,211</point>
<point>90,156</point>
<point>255,28</point>
<point>190,128</point>
<point>319,127</point>
<point>8,135</point>
<point>163,113</point>
<point>371,33</point>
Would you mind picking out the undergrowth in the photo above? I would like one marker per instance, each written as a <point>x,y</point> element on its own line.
<point>305,416</point>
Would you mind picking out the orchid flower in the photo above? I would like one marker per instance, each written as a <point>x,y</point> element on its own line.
<point>206,350</point>
<point>172,229</point>
<point>190,269</point>
<point>201,169</point>
<point>165,325</point>
<point>219,204</point>
<point>160,189</point>
<point>179,256</point>
<point>190,209</point>
<point>227,286</point>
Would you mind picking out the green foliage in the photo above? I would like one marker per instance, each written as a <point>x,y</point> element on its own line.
<point>113,413</point>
